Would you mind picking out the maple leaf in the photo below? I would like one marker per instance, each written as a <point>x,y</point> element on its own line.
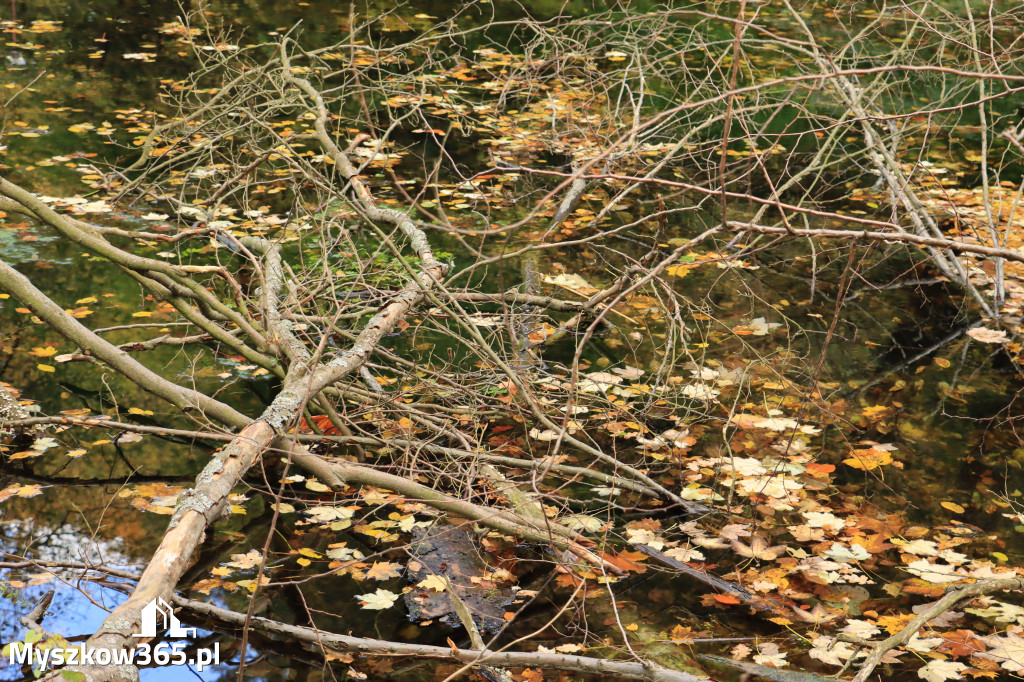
<point>983,335</point>
<point>819,470</point>
<point>685,554</point>
<point>681,634</point>
<point>582,522</point>
<point>569,648</point>
<point>735,531</point>
<point>895,623</point>
<point>739,652</point>
<point>860,628</point>
<point>806,533</point>
<point>870,458</point>
<point>826,520</point>
<point>545,435</point>
<point>918,547</point>
<point>624,562</point>
<point>959,644</point>
<point>330,513</point>
<point>629,373</point>
<point>642,536</point>
<point>1000,611</point>
<point>939,671</point>
<point>16,490</point>
<point>384,570</point>
<point>847,555</point>
<point>769,655</point>
<point>1008,651</point>
<point>377,601</point>
<point>830,651</point>
<point>817,615</point>
<point>711,543</point>
<point>435,583</point>
<point>248,560</point>
<point>934,573</point>
<point>758,549</point>
<point>873,411</point>
<point>923,644</point>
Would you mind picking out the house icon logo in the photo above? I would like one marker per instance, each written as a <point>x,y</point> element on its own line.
<point>158,615</point>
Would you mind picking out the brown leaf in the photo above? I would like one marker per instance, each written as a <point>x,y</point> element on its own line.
<point>758,549</point>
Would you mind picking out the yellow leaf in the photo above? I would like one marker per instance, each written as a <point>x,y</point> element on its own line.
<point>632,627</point>
<point>874,411</point>
<point>304,562</point>
<point>25,454</point>
<point>142,313</point>
<point>870,458</point>
<point>137,410</point>
<point>46,368</point>
<point>942,362</point>
<point>953,507</point>
<point>434,582</point>
<point>1000,557</point>
<point>75,453</point>
<point>43,352</point>
<point>87,299</point>
<point>305,551</point>
<point>678,270</point>
<point>28,490</point>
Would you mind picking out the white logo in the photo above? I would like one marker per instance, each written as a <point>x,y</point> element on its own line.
<point>158,608</point>
<point>145,654</point>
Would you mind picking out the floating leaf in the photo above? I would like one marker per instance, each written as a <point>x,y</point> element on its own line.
<point>870,458</point>
<point>379,600</point>
<point>758,549</point>
<point>384,570</point>
<point>435,583</point>
<point>939,671</point>
<point>983,335</point>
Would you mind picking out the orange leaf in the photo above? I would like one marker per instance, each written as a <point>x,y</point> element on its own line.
<point>622,563</point>
<point>820,470</point>
<point>323,422</point>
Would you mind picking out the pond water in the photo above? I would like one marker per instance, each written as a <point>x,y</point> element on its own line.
<point>950,404</point>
